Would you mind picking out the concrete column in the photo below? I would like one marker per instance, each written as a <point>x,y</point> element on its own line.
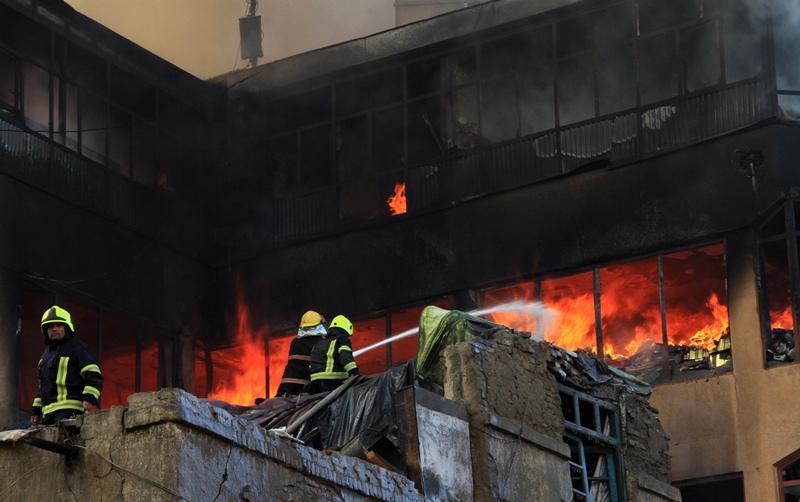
<point>10,299</point>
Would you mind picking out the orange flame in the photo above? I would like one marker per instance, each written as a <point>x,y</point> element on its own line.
<point>782,318</point>
<point>397,201</point>
<point>278,357</point>
<point>240,371</point>
<point>630,305</point>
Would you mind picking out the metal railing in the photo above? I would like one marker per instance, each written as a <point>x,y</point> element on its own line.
<point>37,161</point>
<point>623,136</point>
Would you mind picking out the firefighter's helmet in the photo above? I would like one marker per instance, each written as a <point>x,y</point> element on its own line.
<point>311,318</point>
<point>56,314</point>
<point>342,322</point>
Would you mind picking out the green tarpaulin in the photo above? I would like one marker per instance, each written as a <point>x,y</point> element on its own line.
<point>439,328</point>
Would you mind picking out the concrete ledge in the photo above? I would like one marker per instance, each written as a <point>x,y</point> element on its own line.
<point>534,437</point>
<point>660,488</point>
<point>177,406</point>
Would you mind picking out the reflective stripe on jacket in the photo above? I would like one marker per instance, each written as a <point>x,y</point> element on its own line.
<point>332,358</point>
<point>68,375</point>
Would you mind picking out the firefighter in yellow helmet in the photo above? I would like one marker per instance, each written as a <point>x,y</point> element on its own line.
<point>332,359</point>
<point>296,375</point>
<point>69,377</point>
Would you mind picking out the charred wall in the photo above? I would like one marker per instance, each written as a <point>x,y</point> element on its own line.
<point>604,214</point>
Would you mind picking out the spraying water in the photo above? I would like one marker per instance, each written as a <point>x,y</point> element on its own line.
<point>536,310</point>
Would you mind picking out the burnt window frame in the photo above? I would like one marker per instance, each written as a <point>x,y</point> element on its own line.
<point>666,375</point>
<point>577,432</point>
<point>789,237</point>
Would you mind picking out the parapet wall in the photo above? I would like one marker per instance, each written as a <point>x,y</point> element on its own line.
<point>168,445</point>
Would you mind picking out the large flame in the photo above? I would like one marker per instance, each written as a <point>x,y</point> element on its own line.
<point>630,305</point>
<point>240,371</point>
<point>781,318</point>
<point>397,201</point>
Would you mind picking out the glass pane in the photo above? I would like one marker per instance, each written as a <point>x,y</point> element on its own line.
<point>519,320</point>
<point>658,68</point>
<point>570,300</point>
<point>791,472</point>
<point>743,39</point>
<point>788,107</point>
<point>37,98</point>
<point>118,360</point>
<point>144,153</point>
<point>696,309</point>
<point>701,46</point>
<point>278,357</point>
<point>631,315</point>
<point>366,333</point>
<point>65,113</point>
<point>576,89</point>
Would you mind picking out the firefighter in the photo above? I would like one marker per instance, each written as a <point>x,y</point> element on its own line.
<point>69,377</point>
<point>332,359</point>
<point>296,373</point>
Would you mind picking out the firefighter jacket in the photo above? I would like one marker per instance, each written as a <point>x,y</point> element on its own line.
<point>332,357</point>
<point>296,373</point>
<point>68,375</point>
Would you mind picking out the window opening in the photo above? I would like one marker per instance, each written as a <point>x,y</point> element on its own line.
<point>789,478</point>
<point>592,434</point>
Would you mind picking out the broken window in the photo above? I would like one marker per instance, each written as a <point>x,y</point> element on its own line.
<point>701,56</point>
<point>777,244</point>
<point>464,133</point>
<point>593,436</point>
<point>658,68</point>
<point>631,318</point>
<point>536,97</point>
<point>365,333</point>
<point>571,306</point>
<point>789,478</point>
<point>499,117</point>
<point>8,81</point>
<point>459,68</point>
<point>576,89</point>
<point>37,98</point>
<point>370,91</point>
<point>352,146</point>
<point>696,310</point>
<point>425,120</point>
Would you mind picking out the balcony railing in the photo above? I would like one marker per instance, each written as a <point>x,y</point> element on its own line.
<point>624,136</point>
<point>35,160</point>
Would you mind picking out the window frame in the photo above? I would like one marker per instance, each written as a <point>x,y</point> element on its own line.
<point>537,279</point>
<point>779,467</point>
<point>789,237</point>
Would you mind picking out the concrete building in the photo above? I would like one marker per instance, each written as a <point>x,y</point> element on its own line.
<point>628,163</point>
